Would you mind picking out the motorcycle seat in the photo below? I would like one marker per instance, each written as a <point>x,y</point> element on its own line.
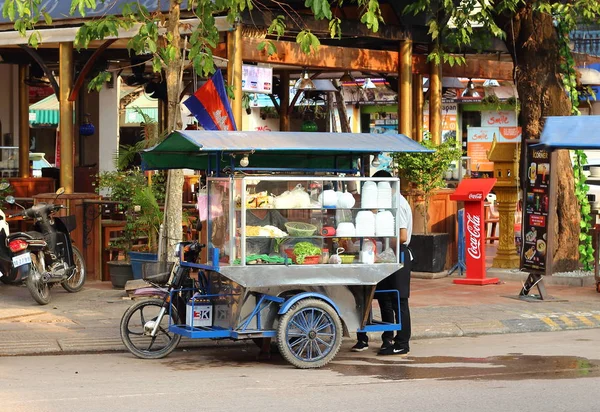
<point>26,235</point>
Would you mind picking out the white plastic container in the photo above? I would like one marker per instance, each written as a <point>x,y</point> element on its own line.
<point>368,197</point>
<point>384,195</point>
<point>385,224</point>
<point>365,223</point>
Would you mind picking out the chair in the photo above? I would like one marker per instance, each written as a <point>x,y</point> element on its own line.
<point>491,220</point>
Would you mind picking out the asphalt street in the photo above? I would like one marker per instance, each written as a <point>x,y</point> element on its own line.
<point>552,371</point>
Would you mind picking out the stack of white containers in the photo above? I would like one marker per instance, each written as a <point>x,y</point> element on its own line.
<point>365,223</point>
<point>385,224</point>
<point>384,195</point>
<point>368,197</point>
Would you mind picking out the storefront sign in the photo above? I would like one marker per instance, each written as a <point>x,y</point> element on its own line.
<point>536,209</point>
<point>479,141</point>
<point>257,79</point>
<point>505,118</point>
<point>449,122</point>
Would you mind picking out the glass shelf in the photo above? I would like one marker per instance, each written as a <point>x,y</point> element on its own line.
<point>319,237</point>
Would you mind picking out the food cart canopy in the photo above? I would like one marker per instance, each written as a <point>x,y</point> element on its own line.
<point>190,149</point>
<point>571,132</point>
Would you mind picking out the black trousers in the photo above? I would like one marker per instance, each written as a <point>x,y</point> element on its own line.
<point>388,303</point>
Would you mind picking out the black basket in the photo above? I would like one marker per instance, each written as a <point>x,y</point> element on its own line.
<point>157,272</point>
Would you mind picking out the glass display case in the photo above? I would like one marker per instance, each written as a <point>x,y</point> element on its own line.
<point>303,220</point>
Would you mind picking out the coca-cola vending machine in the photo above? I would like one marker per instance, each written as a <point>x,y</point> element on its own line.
<point>473,193</point>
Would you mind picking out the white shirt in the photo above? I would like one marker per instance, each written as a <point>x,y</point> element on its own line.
<point>405,219</point>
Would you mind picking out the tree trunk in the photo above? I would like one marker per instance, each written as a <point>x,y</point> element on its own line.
<point>533,42</point>
<point>172,230</point>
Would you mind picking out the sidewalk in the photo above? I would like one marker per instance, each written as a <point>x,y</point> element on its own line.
<point>88,321</point>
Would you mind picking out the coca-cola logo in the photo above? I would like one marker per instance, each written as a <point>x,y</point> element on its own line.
<point>474,230</point>
<point>475,196</point>
<point>500,119</point>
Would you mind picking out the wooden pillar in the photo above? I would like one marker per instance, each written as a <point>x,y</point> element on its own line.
<point>405,88</point>
<point>234,72</point>
<point>23,123</point>
<point>65,73</point>
<point>435,102</point>
<point>284,102</point>
<point>417,107</point>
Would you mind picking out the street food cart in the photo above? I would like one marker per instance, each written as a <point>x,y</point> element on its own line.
<point>576,133</point>
<point>292,254</point>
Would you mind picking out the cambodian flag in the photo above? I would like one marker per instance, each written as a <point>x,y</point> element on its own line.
<point>210,105</point>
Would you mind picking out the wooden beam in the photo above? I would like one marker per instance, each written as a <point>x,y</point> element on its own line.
<point>65,74</point>
<point>284,114</point>
<point>38,59</point>
<point>347,58</point>
<point>23,123</point>
<point>405,88</point>
<point>87,68</point>
<point>353,28</point>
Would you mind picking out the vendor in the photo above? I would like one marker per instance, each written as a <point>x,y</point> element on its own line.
<point>263,217</point>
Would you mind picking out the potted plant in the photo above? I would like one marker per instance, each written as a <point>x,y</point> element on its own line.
<point>121,186</point>
<point>146,220</point>
<point>425,173</point>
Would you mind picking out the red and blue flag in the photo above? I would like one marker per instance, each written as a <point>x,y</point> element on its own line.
<point>210,105</point>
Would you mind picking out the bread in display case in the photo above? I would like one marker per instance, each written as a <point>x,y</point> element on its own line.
<point>303,220</point>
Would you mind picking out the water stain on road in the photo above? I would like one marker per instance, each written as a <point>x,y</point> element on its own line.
<point>509,368</point>
<point>512,367</point>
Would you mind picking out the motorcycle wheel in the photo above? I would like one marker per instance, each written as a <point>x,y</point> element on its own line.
<point>40,291</point>
<point>135,325</point>
<point>75,283</point>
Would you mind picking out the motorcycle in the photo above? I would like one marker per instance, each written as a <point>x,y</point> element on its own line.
<point>44,257</point>
<point>144,326</point>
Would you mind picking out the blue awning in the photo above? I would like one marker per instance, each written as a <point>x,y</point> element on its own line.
<point>571,132</point>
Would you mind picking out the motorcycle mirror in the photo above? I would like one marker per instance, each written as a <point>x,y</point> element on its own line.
<point>60,191</point>
<point>198,225</point>
<point>10,200</point>
<point>4,185</point>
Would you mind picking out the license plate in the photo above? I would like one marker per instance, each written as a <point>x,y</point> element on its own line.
<point>21,260</point>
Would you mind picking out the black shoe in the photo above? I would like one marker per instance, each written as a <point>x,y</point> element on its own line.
<point>360,346</point>
<point>395,349</point>
<point>386,344</point>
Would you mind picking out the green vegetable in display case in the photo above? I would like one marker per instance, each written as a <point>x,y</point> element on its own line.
<point>304,249</point>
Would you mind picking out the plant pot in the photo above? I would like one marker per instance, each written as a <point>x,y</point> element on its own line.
<point>120,272</point>
<point>137,258</point>
<point>429,251</point>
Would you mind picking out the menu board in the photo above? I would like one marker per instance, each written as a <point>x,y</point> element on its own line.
<point>536,209</point>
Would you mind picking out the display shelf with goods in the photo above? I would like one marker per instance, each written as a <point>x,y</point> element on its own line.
<point>269,216</point>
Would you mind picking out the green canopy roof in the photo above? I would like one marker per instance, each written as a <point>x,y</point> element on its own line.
<point>202,149</point>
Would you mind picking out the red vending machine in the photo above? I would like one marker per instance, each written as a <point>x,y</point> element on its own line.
<point>473,192</point>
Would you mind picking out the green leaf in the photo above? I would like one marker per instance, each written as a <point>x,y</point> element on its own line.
<point>47,18</point>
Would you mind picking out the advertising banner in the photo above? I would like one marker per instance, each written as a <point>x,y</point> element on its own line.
<point>449,122</point>
<point>257,79</point>
<point>479,141</point>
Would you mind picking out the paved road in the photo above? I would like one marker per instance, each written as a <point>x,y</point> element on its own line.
<point>555,371</point>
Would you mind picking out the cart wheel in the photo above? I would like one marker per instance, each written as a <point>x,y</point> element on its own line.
<point>309,334</point>
<point>137,323</point>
